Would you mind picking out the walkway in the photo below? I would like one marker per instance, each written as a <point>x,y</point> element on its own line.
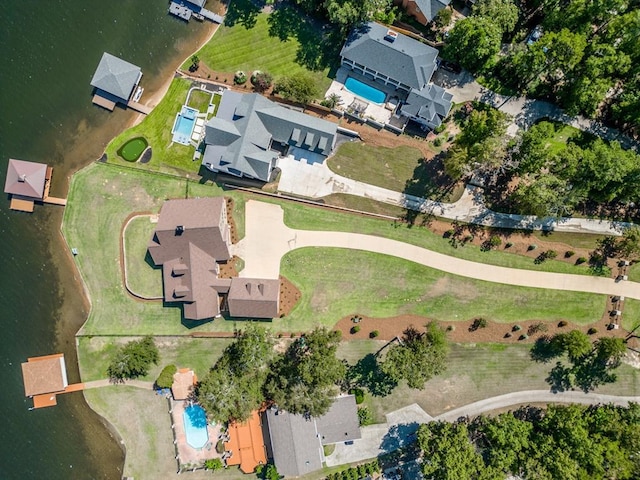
<point>402,424</point>
<point>105,382</point>
<point>317,181</point>
<point>267,239</point>
<point>525,111</point>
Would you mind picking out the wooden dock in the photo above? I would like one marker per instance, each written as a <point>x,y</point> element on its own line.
<point>180,11</point>
<point>21,204</point>
<point>138,107</point>
<point>103,102</point>
<point>26,204</point>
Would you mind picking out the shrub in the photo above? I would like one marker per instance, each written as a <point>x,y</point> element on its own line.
<point>450,328</point>
<point>524,336</point>
<point>516,328</point>
<point>592,331</point>
<point>507,335</point>
<point>437,142</point>
<point>449,233</point>
<point>220,447</point>
<point>240,77</point>
<point>374,334</point>
<point>508,245</point>
<point>364,416</point>
<point>532,247</point>
<point>478,323</point>
<point>261,80</point>
<point>495,241</point>
<point>536,328</point>
<point>439,129</point>
<point>551,254</point>
<point>580,260</point>
<point>165,379</point>
<point>569,254</point>
<point>355,329</point>
<point>358,393</point>
<point>562,323</point>
<point>213,464</point>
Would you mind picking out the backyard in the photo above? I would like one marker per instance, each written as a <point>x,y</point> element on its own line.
<point>282,43</point>
<point>143,278</point>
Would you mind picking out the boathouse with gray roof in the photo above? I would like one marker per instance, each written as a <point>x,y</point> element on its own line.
<point>116,79</point>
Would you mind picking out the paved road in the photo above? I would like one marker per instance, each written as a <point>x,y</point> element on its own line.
<point>267,239</point>
<point>382,438</point>
<point>317,181</point>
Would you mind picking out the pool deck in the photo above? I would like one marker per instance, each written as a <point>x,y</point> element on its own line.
<point>378,112</point>
<point>186,454</point>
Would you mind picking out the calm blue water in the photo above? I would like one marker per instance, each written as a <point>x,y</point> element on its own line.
<point>183,126</point>
<point>195,426</point>
<point>365,91</point>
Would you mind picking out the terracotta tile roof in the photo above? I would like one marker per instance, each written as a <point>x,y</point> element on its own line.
<point>183,382</point>
<point>44,375</point>
<point>246,444</point>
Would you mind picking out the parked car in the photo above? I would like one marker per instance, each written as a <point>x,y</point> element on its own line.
<point>450,66</point>
<point>535,35</point>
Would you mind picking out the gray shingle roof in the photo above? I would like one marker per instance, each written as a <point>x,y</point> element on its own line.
<point>430,8</point>
<point>296,441</point>
<point>115,76</point>
<point>405,60</point>
<point>241,134</point>
<point>432,103</point>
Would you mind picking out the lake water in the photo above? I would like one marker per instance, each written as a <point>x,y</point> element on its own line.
<point>50,51</point>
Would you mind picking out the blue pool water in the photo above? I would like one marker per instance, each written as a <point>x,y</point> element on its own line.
<point>183,126</point>
<point>195,426</point>
<point>365,91</point>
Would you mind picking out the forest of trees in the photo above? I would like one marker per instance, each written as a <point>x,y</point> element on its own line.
<point>569,442</point>
<point>587,59</point>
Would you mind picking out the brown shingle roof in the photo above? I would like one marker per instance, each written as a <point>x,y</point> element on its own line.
<point>25,178</point>
<point>254,298</point>
<point>44,375</point>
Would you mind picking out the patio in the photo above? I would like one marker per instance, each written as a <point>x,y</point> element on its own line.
<point>379,113</point>
<point>187,456</point>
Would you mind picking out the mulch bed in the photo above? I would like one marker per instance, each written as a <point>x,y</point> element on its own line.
<point>289,296</point>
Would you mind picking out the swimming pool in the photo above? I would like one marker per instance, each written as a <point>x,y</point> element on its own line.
<point>183,126</point>
<point>365,91</point>
<point>195,426</point>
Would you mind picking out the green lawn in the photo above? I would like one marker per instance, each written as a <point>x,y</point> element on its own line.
<point>143,278</point>
<point>399,169</point>
<point>631,315</point>
<point>115,192</point>
<point>475,372</point>
<point>236,47</point>
<point>200,100</point>
<point>305,218</point>
<point>156,128</point>
<point>337,282</point>
<point>199,354</point>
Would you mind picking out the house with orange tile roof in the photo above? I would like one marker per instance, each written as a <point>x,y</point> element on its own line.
<point>246,445</point>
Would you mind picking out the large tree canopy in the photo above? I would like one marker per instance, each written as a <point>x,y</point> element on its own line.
<point>418,357</point>
<point>305,379</point>
<point>133,359</point>
<point>473,42</point>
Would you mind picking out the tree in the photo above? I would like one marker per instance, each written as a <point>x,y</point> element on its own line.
<point>473,42</point>
<point>610,350</point>
<point>505,441</point>
<point>364,416</point>
<point>299,87</point>
<point>443,17</point>
<point>449,453</point>
<point>629,243</point>
<point>305,379</point>
<point>418,357</point>
<point>575,343</point>
<point>133,360</point>
<point>504,13</point>
<point>562,51</point>
<point>545,195</point>
<point>233,387</point>
<point>165,379</point>
<point>195,63</point>
<point>261,81</point>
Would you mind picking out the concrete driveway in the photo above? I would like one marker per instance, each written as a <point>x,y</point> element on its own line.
<point>268,239</point>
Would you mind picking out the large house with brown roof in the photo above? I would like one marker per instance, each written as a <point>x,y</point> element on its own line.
<point>191,240</point>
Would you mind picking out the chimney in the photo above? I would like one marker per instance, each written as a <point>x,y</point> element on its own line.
<point>179,230</point>
<point>22,178</point>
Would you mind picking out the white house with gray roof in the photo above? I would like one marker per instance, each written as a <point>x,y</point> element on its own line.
<point>392,59</point>
<point>249,133</point>
<point>295,442</point>
<point>116,79</point>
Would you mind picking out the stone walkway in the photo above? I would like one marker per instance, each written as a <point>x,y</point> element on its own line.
<point>317,181</point>
<point>402,424</point>
<point>268,239</point>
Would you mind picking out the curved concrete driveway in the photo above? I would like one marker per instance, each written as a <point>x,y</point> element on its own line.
<point>375,438</point>
<point>268,239</point>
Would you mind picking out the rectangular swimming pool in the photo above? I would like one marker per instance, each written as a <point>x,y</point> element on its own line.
<point>365,91</point>
<point>183,126</point>
<point>195,426</point>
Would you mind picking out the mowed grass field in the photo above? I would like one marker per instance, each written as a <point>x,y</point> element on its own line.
<point>236,47</point>
<point>338,282</point>
<point>142,277</point>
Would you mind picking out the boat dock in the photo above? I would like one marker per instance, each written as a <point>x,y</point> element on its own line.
<point>180,11</point>
<point>104,102</point>
<point>138,107</point>
<point>22,203</point>
<point>209,15</point>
